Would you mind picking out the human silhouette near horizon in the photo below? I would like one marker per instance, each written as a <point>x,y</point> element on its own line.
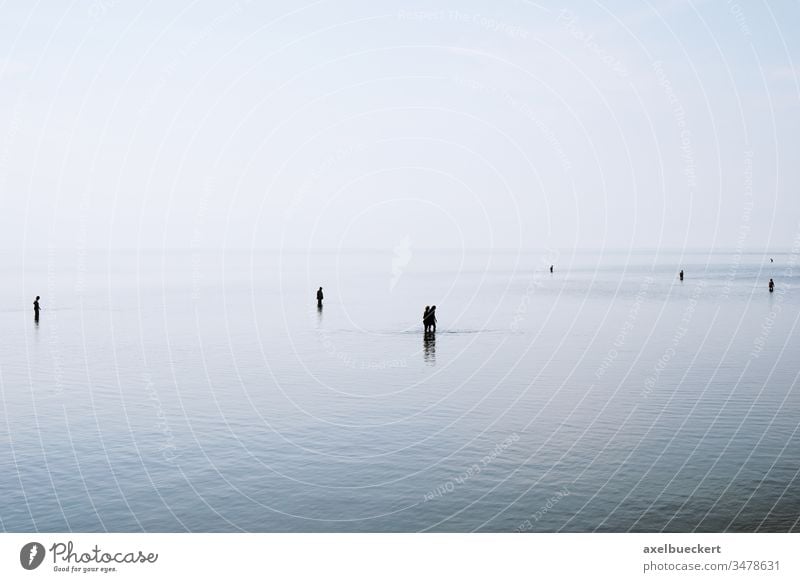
<point>680,275</point>
<point>36,309</point>
<point>551,269</point>
<point>320,297</point>
<point>429,319</point>
<point>771,285</point>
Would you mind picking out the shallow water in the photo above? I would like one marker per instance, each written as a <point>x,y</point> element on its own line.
<point>204,391</point>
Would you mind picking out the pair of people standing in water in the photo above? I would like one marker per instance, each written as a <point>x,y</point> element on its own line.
<point>429,319</point>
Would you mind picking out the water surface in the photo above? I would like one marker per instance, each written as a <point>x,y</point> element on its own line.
<point>204,391</point>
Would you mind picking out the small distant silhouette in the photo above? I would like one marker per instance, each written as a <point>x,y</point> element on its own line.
<point>36,309</point>
<point>771,285</point>
<point>551,268</point>
<point>770,260</point>
<point>681,274</point>
<point>430,322</point>
<point>429,319</point>
<point>320,297</point>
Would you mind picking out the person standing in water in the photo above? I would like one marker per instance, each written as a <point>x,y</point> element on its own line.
<point>425,319</point>
<point>320,297</point>
<point>771,285</point>
<point>680,275</point>
<point>551,269</point>
<point>432,318</point>
<point>36,309</point>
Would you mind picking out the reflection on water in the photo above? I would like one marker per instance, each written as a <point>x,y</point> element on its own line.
<point>429,347</point>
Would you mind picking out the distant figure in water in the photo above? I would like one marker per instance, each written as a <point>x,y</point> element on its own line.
<point>320,297</point>
<point>430,321</point>
<point>36,309</point>
<point>771,288</point>
<point>681,274</point>
<point>551,268</point>
<point>770,260</point>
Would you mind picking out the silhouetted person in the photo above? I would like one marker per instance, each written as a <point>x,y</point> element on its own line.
<point>432,319</point>
<point>771,261</point>
<point>320,297</point>
<point>681,274</point>
<point>36,309</point>
<point>551,268</point>
<point>429,319</point>
<point>771,286</point>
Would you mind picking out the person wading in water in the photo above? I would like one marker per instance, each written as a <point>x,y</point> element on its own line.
<point>430,320</point>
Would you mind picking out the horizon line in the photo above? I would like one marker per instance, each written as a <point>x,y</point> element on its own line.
<point>241,249</point>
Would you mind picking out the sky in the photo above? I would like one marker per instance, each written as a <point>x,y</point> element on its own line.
<point>361,124</point>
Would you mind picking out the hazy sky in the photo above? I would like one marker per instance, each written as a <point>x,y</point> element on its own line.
<point>364,124</point>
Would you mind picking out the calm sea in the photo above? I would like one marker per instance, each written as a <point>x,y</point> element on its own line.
<point>204,391</point>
